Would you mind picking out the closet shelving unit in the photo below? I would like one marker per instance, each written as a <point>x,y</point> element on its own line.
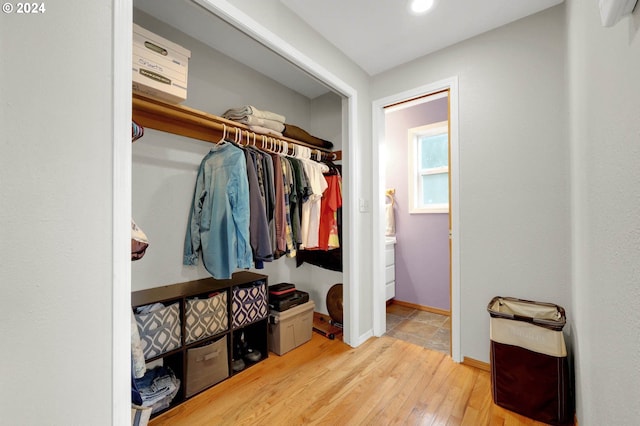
<point>192,123</point>
<point>202,368</point>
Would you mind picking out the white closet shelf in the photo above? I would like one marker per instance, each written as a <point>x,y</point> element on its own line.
<point>181,120</point>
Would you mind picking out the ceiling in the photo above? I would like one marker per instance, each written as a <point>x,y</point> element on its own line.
<point>376,38</point>
<point>386,35</point>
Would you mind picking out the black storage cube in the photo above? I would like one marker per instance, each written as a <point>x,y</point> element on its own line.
<point>529,362</point>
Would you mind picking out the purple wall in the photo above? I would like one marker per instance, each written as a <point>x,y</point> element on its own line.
<point>422,250</point>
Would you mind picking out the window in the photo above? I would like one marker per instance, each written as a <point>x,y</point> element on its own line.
<point>429,168</point>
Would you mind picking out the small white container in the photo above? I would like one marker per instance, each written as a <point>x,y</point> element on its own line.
<point>160,67</point>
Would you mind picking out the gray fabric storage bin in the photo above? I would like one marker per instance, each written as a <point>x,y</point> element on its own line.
<point>206,366</point>
<point>160,331</point>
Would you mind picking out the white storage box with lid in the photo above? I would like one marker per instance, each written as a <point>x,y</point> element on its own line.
<point>291,328</point>
<point>160,67</point>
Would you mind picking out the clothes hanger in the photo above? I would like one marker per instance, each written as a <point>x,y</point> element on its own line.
<point>224,135</point>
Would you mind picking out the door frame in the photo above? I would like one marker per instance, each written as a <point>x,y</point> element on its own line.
<point>378,180</point>
<point>121,214</point>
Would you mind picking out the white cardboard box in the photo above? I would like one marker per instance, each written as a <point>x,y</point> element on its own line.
<point>160,67</point>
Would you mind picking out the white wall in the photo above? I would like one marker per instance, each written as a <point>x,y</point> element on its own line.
<point>56,237</point>
<point>514,164</point>
<point>603,70</point>
<point>326,118</point>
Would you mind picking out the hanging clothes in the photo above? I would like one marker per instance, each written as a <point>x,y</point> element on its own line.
<point>310,223</point>
<point>288,183</point>
<point>299,194</point>
<point>219,216</point>
<point>258,225</point>
<point>331,202</point>
<point>280,215</point>
<point>328,259</point>
<point>139,241</point>
<point>270,199</point>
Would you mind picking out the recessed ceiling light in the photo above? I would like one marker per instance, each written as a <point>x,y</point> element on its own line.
<point>418,7</point>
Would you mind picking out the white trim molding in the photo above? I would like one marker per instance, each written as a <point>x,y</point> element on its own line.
<point>416,202</point>
<point>121,215</point>
<point>378,179</point>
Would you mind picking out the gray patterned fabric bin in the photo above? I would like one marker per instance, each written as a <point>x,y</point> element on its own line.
<point>159,330</point>
<point>249,304</point>
<point>205,317</point>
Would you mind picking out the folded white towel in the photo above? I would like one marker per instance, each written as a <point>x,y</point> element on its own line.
<point>264,131</point>
<point>252,120</point>
<point>249,110</point>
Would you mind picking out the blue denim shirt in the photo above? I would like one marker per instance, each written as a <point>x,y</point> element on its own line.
<point>219,216</point>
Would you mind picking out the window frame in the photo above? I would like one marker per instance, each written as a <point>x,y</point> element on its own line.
<point>415,172</point>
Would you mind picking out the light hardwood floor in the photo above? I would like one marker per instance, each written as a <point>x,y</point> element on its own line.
<point>385,381</point>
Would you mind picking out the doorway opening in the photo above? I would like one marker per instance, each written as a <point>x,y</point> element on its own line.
<point>417,160</point>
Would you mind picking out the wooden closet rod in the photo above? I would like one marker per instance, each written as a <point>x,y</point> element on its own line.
<point>192,123</point>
